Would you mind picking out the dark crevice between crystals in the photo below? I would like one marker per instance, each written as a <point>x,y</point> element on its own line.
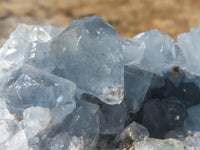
<point>164,109</point>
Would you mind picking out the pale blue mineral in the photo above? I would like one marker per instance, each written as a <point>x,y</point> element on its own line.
<point>30,44</point>
<point>89,53</point>
<point>27,86</point>
<point>112,117</point>
<point>159,52</point>
<point>132,50</point>
<point>190,46</point>
<point>6,66</point>
<point>148,56</point>
<point>83,126</point>
<point>87,88</point>
<point>136,84</point>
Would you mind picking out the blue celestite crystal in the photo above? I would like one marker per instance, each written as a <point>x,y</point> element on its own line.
<point>85,87</point>
<point>84,134</point>
<point>30,44</point>
<point>89,53</point>
<point>147,56</point>
<point>28,86</point>
<point>157,52</point>
<point>190,46</point>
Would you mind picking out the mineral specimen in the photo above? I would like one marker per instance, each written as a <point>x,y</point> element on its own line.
<point>87,88</point>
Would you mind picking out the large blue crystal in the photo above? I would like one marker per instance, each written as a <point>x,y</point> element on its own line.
<point>89,53</point>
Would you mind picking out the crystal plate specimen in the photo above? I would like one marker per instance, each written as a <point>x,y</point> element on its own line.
<point>86,88</point>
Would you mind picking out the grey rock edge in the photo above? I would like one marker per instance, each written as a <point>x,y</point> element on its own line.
<point>75,88</point>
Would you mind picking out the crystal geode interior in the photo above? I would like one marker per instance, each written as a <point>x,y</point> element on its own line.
<point>86,87</point>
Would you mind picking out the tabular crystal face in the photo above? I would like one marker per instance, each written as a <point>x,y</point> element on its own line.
<point>30,44</point>
<point>112,117</point>
<point>190,46</point>
<point>132,50</point>
<point>136,85</point>
<point>28,86</point>
<point>89,53</point>
<point>157,52</point>
<point>6,66</point>
<point>83,126</point>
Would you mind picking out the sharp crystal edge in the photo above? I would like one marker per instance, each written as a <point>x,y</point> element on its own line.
<point>86,87</point>
<point>89,53</point>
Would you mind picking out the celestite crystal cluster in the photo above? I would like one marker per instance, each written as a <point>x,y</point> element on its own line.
<point>85,87</point>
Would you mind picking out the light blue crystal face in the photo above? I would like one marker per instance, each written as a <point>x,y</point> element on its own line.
<point>190,46</point>
<point>30,44</point>
<point>113,118</point>
<point>28,86</point>
<point>7,131</point>
<point>136,84</point>
<point>158,52</point>
<point>6,66</point>
<point>147,55</point>
<point>83,127</point>
<point>89,53</point>
<point>132,50</point>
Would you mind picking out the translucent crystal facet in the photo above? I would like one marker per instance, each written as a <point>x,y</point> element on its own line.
<point>30,45</point>
<point>84,134</point>
<point>28,86</point>
<point>89,53</point>
<point>158,52</point>
<point>190,46</point>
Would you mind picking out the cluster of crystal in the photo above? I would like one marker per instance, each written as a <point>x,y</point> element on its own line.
<point>30,45</point>
<point>147,55</point>
<point>87,88</point>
